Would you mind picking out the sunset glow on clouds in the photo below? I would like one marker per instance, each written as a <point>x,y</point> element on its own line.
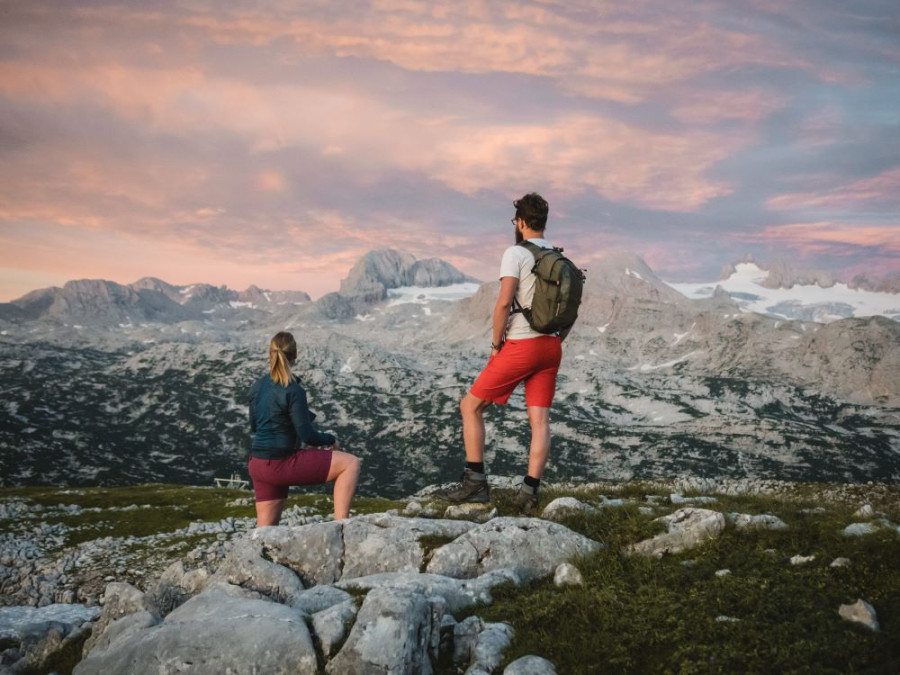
<point>275,143</point>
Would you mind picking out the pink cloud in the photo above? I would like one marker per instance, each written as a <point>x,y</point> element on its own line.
<point>623,53</point>
<point>829,237</point>
<point>878,192</point>
<point>621,162</point>
<point>701,107</point>
<point>574,152</point>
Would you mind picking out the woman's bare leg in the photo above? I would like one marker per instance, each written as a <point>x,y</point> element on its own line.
<point>269,512</point>
<point>344,472</point>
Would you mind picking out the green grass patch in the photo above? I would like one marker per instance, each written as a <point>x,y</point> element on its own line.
<point>674,615</point>
<point>162,508</point>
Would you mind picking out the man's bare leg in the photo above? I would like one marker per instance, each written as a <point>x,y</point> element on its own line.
<point>472,409</point>
<point>540,440</point>
<point>269,512</point>
<point>474,486</point>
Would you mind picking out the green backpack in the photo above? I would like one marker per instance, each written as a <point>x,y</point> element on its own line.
<point>557,290</point>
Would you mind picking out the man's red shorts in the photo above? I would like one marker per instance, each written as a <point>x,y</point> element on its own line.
<point>532,360</point>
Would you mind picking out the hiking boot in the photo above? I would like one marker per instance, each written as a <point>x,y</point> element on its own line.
<point>473,488</point>
<point>526,500</point>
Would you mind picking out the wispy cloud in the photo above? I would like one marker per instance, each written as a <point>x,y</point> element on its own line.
<point>881,193</point>
<point>216,136</point>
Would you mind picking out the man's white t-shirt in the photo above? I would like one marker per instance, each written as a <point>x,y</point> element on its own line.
<point>517,262</point>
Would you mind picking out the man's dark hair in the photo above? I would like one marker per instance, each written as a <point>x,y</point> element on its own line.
<point>533,209</point>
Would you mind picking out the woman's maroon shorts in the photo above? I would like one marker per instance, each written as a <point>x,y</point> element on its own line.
<point>272,477</point>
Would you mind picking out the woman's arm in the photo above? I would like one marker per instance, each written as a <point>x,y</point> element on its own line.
<point>251,400</point>
<point>302,420</point>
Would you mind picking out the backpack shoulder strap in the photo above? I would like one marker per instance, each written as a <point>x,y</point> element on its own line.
<point>532,248</point>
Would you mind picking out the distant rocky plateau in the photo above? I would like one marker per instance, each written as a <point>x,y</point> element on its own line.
<point>104,384</point>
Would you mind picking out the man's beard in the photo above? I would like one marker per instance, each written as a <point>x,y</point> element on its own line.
<point>519,237</point>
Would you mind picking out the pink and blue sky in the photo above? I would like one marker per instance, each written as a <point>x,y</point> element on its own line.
<point>274,143</point>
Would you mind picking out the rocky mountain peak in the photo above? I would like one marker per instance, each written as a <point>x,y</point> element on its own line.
<point>783,274</point>
<point>382,269</point>
<point>154,284</point>
<point>625,274</point>
<point>378,271</point>
<point>889,284</point>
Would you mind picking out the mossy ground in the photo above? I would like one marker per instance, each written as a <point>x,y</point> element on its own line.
<point>674,615</point>
<point>633,614</point>
<point>163,508</point>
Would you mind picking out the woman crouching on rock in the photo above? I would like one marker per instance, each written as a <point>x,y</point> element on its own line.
<point>283,433</point>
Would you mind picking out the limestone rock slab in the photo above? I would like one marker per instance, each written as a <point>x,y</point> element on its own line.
<point>687,528</point>
<point>567,574</point>
<point>212,633</point>
<point>315,552</point>
<point>562,507</point>
<point>119,600</point>
<point>765,521</point>
<point>318,598</point>
<point>246,567</point>
<point>396,632</point>
<point>459,594</point>
<point>531,547</point>
<point>860,612</point>
<point>329,626</point>
<point>488,653</point>
<point>530,665</point>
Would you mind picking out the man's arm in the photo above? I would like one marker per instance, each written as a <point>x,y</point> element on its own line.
<point>508,286</point>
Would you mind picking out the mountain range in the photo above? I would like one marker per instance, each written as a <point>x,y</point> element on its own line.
<point>112,384</point>
<point>780,291</point>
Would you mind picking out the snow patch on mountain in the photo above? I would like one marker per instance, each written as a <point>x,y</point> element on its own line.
<point>804,302</point>
<point>422,296</point>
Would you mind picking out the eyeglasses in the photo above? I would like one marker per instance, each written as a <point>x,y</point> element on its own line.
<point>514,221</point>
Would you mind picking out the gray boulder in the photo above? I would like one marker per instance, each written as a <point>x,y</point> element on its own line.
<point>530,665</point>
<point>329,626</point>
<point>123,628</point>
<point>744,521</point>
<point>119,600</point>
<point>478,513</point>
<point>313,551</point>
<point>384,543</point>
<point>860,529</point>
<point>489,647</point>
<point>687,528</point>
<point>562,507</point>
<point>245,567</point>
<point>860,612</point>
<point>191,582</point>
<point>323,553</point>
<point>395,632</point>
<point>213,633</point>
<point>465,637</point>
<point>865,511</point>
<point>531,547</point>
<point>370,549</point>
<point>567,575</point>
<point>318,598</point>
<point>459,594</point>
<point>40,636</point>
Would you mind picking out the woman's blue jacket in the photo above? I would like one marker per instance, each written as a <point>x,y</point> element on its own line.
<point>281,421</point>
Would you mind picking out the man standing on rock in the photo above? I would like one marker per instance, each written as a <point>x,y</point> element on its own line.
<point>518,354</point>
